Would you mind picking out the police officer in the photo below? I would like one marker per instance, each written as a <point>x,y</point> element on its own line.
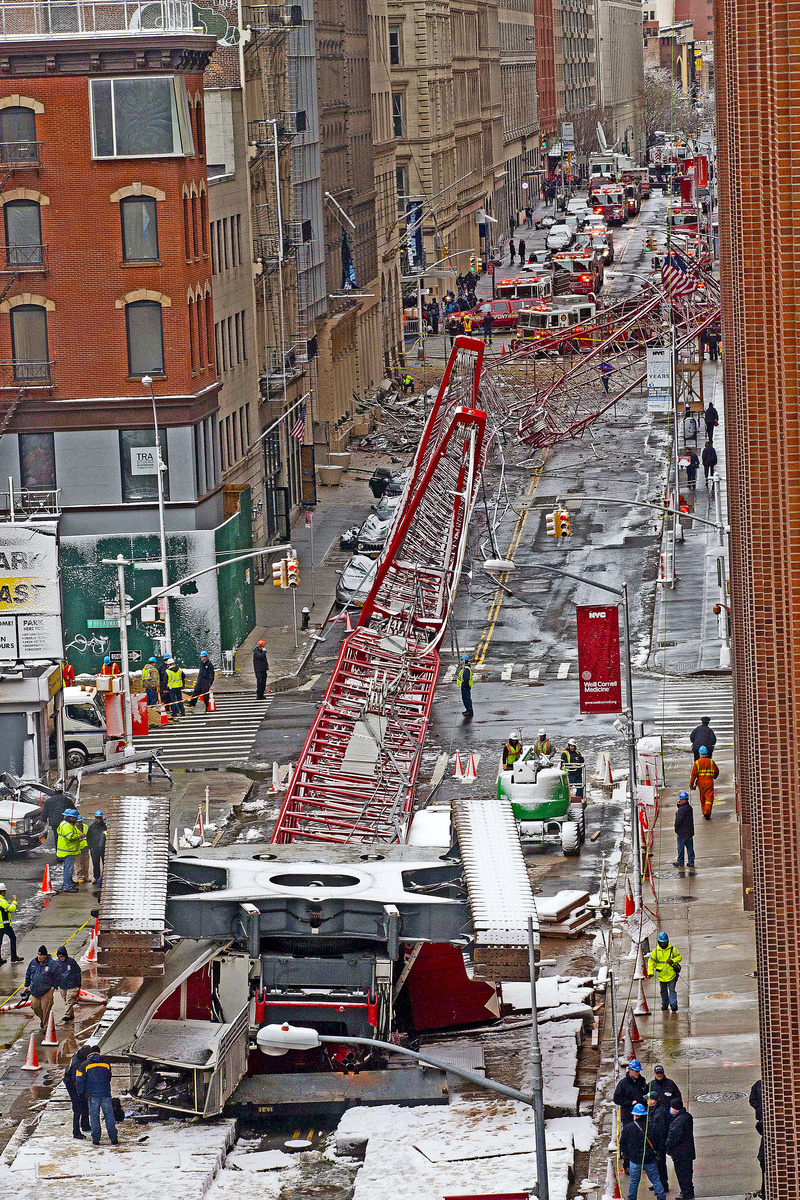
<point>6,930</point>
<point>680,1147</point>
<point>666,1090</point>
<point>513,748</point>
<point>569,756</point>
<point>464,681</point>
<point>93,1080</point>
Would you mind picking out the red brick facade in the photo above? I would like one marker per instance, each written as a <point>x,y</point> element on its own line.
<point>757,73</point>
<point>86,283</point>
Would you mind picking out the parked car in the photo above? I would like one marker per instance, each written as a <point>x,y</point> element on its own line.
<point>375,529</point>
<point>356,579</point>
<point>559,237</point>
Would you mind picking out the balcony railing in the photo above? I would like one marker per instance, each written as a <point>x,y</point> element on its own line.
<point>20,19</point>
<point>33,502</point>
<point>17,259</point>
<point>21,154</point>
<point>15,375</point>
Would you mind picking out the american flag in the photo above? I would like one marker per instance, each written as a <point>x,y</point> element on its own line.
<point>298,430</point>
<point>675,277</point>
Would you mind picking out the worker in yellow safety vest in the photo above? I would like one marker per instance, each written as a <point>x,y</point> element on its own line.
<point>544,747</point>
<point>513,748</point>
<point>176,682</point>
<point>665,964</point>
<point>69,837</point>
<point>464,681</point>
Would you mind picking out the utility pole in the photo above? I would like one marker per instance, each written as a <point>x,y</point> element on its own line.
<point>120,562</point>
<point>537,1081</point>
<point>147,381</point>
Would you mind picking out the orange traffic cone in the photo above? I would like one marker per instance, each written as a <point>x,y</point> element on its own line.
<point>91,954</point>
<point>96,930</point>
<point>47,888</point>
<point>612,1183</point>
<point>634,1031</point>
<point>164,715</point>
<point>642,1009</point>
<point>630,906</point>
<point>32,1061</point>
<point>458,770</point>
<point>50,1038</point>
<point>471,772</point>
<point>91,997</point>
<point>348,624</point>
<point>212,704</point>
<point>503,348</point>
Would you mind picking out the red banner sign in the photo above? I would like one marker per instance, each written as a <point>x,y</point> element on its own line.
<point>598,658</point>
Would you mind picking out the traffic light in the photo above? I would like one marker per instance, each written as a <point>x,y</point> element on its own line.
<point>566,531</point>
<point>292,572</point>
<point>279,575</point>
<point>554,524</point>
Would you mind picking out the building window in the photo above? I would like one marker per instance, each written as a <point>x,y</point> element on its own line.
<point>225,242</point>
<point>135,485</point>
<point>401,179</point>
<point>23,233</point>
<point>144,323</point>
<point>204,223</point>
<point>244,335</point>
<point>18,136</point>
<point>29,348</point>
<point>395,46</point>
<point>213,250</point>
<point>37,460</point>
<point>210,340</point>
<point>140,118</point>
<point>397,114</point>
<point>238,227</point>
<point>139,229</point>
<point>201,131</point>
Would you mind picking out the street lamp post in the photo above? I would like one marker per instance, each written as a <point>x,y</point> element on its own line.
<point>147,381</point>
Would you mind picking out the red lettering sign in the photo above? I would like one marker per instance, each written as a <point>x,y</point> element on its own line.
<point>598,658</point>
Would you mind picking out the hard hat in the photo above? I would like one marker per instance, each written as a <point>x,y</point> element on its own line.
<point>2,887</point>
<point>107,658</point>
<point>634,1065</point>
<point>152,660</point>
<point>542,733</point>
<point>516,735</point>
<point>572,742</point>
<point>204,654</point>
<point>98,812</point>
<point>663,939</point>
<point>71,812</point>
<point>639,1110</point>
<point>465,658</point>
<point>683,795</point>
<point>704,749</point>
<point>261,643</point>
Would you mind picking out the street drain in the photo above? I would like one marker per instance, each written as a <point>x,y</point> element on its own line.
<point>694,1054</point>
<point>677,900</point>
<point>719,1097</point>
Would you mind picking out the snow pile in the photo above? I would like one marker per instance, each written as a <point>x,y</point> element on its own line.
<point>469,1147</point>
<point>551,993</point>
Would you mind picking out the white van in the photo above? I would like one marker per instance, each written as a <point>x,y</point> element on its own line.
<point>84,725</point>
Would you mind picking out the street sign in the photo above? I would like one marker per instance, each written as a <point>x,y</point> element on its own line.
<point>155,565</point>
<point>133,656</point>
<point>104,624</point>
<point>598,658</point>
<point>567,137</point>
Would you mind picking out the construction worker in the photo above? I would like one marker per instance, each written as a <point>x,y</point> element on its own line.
<point>67,674</point>
<point>630,1090</point>
<point>205,681</point>
<point>513,748</point>
<point>41,978</point>
<point>637,1149</point>
<point>260,668</point>
<point>109,668</point>
<point>464,681</point>
<point>680,1147</point>
<point>68,846</point>
<point>176,680</point>
<point>6,930</point>
<point>93,1080</point>
<point>69,983</point>
<point>408,383</point>
<point>81,874</point>
<point>575,775</point>
<point>544,748</point>
<point>704,772</point>
<point>665,964</point>
<point>151,680</point>
<point>96,837</point>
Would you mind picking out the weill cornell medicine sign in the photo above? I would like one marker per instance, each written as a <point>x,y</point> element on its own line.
<point>598,658</point>
<point>30,597</point>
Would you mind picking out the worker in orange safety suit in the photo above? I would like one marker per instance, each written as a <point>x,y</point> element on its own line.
<point>704,772</point>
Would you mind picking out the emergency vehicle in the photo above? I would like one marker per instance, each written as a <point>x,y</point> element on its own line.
<point>511,296</point>
<point>684,220</point>
<point>633,199</point>
<point>609,202</point>
<point>584,268</point>
<point>608,167</point>
<point>640,175</point>
<point>556,317</point>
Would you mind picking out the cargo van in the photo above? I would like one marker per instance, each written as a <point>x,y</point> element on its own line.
<point>84,725</point>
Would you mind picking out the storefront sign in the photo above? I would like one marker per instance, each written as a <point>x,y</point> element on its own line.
<point>30,597</point>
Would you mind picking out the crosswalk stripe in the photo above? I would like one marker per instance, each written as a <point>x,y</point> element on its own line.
<point>507,671</point>
<point>226,735</point>
<point>563,670</point>
<point>674,708</point>
<point>533,673</point>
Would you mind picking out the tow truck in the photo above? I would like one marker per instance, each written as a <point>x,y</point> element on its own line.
<point>545,810</point>
<point>609,202</point>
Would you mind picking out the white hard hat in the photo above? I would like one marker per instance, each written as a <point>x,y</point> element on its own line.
<point>516,734</point>
<point>2,887</point>
<point>542,733</point>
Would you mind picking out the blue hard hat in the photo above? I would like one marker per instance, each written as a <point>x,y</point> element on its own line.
<point>663,939</point>
<point>634,1065</point>
<point>71,812</point>
<point>204,654</point>
<point>152,660</point>
<point>465,658</point>
<point>639,1110</point>
<point>704,749</point>
<point>683,795</point>
<point>107,659</point>
<point>98,812</point>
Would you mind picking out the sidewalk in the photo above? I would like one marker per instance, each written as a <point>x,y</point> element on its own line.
<point>685,632</point>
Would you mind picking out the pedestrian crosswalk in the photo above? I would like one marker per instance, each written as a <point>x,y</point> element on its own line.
<point>673,707</point>
<point>211,739</point>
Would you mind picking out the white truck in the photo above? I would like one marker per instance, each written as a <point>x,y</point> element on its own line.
<point>84,725</point>
<point>22,826</point>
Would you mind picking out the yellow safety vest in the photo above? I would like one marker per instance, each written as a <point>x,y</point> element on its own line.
<point>512,752</point>
<point>175,679</point>
<point>460,677</point>
<point>545,747</point>
<point>69,839</point>
<point>6,910</point>
<point>663,961</point>
<point>81,825</point>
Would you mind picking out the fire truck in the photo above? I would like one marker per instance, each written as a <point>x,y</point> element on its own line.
<point>608,167</point>
<point>554,318</point>
<point>609,202</point>
<point>537,287</point>
<point>581,270</point>
<point>640,175</point>
<point>633,199</point>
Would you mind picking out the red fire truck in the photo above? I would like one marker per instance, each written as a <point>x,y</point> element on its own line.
<point>583,268</point>
<point>640,175</point>
<point>609,202</point>
<point>553,319</point>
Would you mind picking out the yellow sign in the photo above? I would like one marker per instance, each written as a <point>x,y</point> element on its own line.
<point>19,594</point>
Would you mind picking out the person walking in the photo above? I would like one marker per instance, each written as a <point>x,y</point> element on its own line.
<point>637,1149</point>
<point>711,418</point>
<point>684,830</point>
<point>606,370</point>
<point>464,681</point>
<point>176,681</point>
<point>68,846</point>
<point>260,668</point>
<point>709,457</point>
<point>702,735</point>
<point>756,1102</point>
<point>488,326</point>
<point>512,252</point>
<point>6,928</point>
<point>109,668</point>
<point>151,680</point>
<point>205,681</point>
<point>521,252</point>
<point>69,983</point>
<point>93,1080</point>
<point>453,327</point>
<point>528,217</point>
<point>713,340</point>
<point>665,964</point>
<point>572,761</point>
<point>433,316</point>
<point>665,1089</point>
<point>96,837</point>
<point>466,322</point>
<point>704,772</point>
<point>631,1089</point>
<point>41,978</point>
<point>692,466</point>
<point>680,1147</point>
<point>513,748</point>
<point>80,1106</point>
<point>658,1120</point>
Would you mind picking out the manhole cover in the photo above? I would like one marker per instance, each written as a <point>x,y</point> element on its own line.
<point>676,900</point>
<point>719,1097</point>
<point>719,995</point>
<point>699,1052</point>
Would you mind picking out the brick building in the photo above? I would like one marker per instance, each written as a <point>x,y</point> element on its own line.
<point>106,269</point>
<point>757,145</point>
